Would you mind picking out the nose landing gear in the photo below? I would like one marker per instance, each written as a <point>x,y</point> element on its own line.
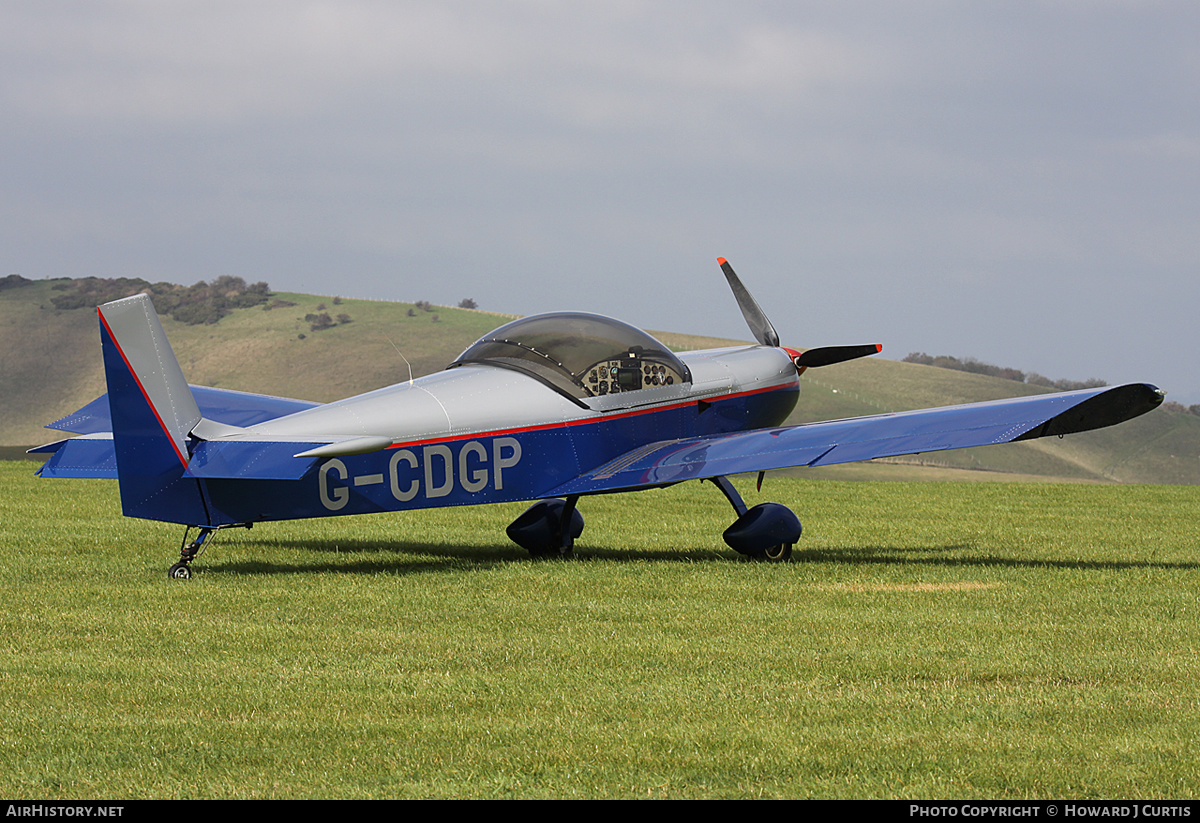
<point>766,532</point>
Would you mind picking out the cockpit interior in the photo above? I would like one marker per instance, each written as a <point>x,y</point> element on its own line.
<point>580,355</point>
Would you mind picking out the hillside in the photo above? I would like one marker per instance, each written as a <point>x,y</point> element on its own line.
<point>50,365</point>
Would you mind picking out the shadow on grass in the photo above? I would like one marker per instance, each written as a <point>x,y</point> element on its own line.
<point>373,557</point>
<point>410,557</point>
<point>367,557</point>
<point>960,556</point>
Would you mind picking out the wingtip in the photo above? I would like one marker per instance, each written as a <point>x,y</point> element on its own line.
<point>721,261</point>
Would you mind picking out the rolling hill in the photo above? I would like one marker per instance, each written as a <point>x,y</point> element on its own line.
<point>50,365</point>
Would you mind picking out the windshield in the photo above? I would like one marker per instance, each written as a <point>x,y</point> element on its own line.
<point>582,355</point>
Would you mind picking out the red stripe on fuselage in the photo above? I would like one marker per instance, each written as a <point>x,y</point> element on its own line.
<point>141,388</point>
<point>583,421</point>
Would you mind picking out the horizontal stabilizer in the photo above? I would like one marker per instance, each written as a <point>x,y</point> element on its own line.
<point>250,460</point>
<point>91,455</point>
<point>92,418</point>
<point>233,408</point>
<point>240,457</point>
<point>865,438</point>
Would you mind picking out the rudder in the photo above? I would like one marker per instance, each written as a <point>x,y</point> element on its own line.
<point>153,412</point>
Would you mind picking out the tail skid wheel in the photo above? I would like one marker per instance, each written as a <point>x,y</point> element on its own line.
<point>190,551</point>
<point>187,553</point>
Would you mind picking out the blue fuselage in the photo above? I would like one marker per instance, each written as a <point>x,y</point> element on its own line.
<point>485,435</point>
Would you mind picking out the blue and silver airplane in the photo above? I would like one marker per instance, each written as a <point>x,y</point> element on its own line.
<point>549,408</point>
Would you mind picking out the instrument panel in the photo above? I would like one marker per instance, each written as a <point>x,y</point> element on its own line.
<point>627,373</point>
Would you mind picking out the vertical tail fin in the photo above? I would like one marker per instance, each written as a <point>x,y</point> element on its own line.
<point>152,411</point>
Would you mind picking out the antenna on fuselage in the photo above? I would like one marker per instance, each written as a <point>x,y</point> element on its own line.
<point>405,359</point>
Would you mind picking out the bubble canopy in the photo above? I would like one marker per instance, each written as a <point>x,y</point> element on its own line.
<point>578,354</point>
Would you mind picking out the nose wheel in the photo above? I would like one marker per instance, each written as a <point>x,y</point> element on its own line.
<point>766,532</point>
<point>778,554</point>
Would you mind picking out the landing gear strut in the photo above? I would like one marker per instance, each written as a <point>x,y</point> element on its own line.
<point>766,532</point>
<point>189,551</point>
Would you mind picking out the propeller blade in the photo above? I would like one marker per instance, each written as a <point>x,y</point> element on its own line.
<point>828,355</point>
<point>763,331</point>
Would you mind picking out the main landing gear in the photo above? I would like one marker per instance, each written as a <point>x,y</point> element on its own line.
<point>548,528</point>
<point>766,532</point>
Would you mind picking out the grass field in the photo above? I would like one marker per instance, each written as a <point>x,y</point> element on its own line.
<point>930,640</point>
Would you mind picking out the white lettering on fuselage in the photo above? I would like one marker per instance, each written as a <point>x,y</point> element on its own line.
<point>432,474</point>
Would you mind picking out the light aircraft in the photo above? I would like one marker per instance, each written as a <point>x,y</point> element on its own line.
<point>548,408</point>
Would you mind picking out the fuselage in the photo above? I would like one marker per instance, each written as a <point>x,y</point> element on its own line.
<point>478,433</point>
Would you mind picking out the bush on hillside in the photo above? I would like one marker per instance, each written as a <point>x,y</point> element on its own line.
<point>198,304</point>
<point>974,366</point>
<point>13,281</point>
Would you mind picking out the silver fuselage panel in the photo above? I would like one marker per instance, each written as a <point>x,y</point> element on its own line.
<point>476,398</point>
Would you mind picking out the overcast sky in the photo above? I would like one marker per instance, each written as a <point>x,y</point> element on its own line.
<point>1013,181</point>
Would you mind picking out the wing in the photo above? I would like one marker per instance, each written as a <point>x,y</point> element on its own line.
<point>865,438</point>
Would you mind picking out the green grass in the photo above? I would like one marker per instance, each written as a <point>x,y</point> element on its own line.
<point>931,640</point>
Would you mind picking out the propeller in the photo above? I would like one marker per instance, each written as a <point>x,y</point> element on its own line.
<point>828,355</point>
<point>765,333</point>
